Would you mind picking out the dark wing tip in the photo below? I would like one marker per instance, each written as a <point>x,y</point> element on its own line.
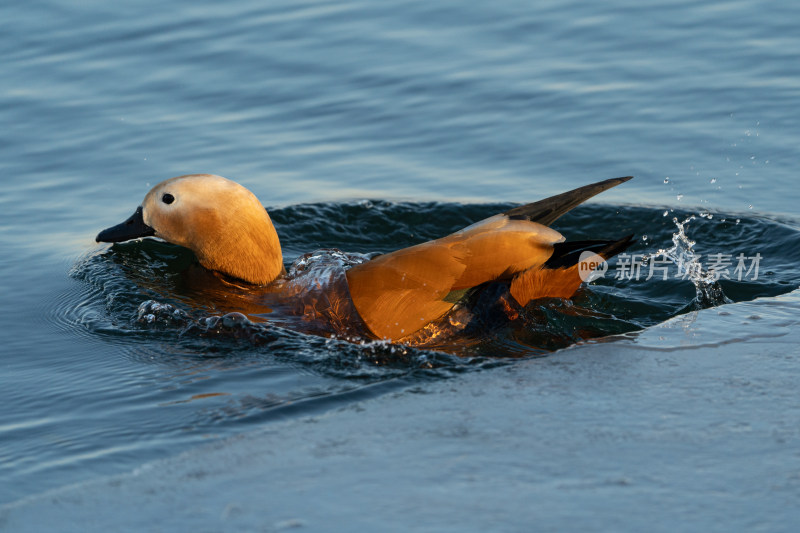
<point>550,209</point>
<point>567,254</point>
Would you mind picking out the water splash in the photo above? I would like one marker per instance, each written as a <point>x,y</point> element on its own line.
<point>340,357</point>
<point>152,313</point>
<point>683,256</point>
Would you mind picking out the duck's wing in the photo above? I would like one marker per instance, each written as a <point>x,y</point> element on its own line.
<point>398,293</point>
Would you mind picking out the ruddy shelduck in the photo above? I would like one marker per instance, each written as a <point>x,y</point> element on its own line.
<point>395,294</point>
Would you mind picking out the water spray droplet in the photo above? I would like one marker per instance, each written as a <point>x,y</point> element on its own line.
<point>666,180</point>
<point>644,237</point>
<point>679,197</point>
<point>713,180</point>
<point>683,256</point>
<point>666,212</point>
<point>750,206</point>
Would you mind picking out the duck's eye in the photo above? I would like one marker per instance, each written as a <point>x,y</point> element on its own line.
<point>167,198</point>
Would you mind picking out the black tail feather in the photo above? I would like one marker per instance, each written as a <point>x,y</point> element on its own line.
<point>550,209</point>
<point>567,254</point>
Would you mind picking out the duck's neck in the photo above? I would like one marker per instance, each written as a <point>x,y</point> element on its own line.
<point>245,248</point>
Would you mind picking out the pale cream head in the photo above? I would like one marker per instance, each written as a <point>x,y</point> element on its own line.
<point>222,222</point>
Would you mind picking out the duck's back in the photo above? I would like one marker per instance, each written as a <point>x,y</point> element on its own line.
<point>398,293</point>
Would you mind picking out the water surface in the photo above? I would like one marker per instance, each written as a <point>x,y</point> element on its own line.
<point>364,126</point>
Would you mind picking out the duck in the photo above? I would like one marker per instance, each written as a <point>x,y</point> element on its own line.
<point>392,296</point>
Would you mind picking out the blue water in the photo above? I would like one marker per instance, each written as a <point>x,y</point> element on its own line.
<point>411,105</point>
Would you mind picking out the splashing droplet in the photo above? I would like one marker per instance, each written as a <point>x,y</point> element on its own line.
<point>682,255</point>
<point>666,180</point>
<point>644,237</point>
<point>750,206</point>
<point>713,180</point>
<point>666,212</point>
<point>679,197</point>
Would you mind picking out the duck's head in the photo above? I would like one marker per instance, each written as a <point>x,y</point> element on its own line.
<point>222,222</point>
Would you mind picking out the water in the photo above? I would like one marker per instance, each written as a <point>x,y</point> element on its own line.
<point>364,126</point>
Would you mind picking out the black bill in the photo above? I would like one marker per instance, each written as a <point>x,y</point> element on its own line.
<point>133,228</point>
